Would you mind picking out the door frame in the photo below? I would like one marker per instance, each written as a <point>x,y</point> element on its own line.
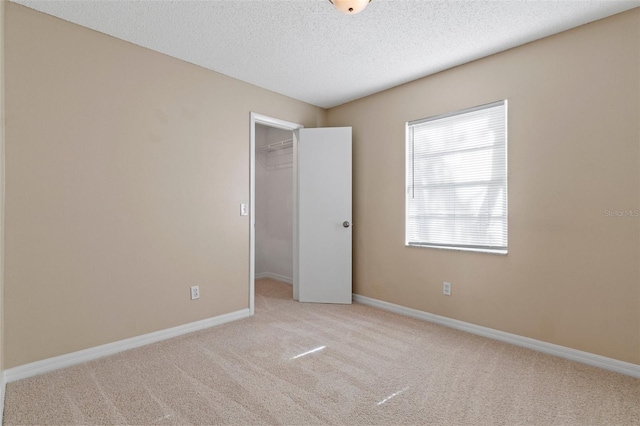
<point>281,124</point>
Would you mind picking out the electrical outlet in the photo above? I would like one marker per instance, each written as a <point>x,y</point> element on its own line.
<point>446,288</point>
<point>195,292</point>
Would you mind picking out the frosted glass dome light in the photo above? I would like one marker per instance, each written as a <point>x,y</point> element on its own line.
<point>350,7</point>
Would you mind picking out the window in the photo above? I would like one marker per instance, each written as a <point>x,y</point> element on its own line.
<point>457,180</point>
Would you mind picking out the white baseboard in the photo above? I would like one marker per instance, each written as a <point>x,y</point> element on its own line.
<point>62,361</point>
<point>611,364</point>
<point>3,386</point>
<point>287,280</point>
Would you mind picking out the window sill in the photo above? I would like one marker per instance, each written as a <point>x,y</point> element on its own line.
<point>477,250</point>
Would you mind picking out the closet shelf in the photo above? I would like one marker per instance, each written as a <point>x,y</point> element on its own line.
<point>276,146</point>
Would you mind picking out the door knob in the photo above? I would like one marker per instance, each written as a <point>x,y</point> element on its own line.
<point>345,224</point>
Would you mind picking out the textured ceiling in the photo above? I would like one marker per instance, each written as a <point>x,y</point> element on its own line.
<point>307,50</point>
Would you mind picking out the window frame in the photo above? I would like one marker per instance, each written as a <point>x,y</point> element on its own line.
<point>408,143</point>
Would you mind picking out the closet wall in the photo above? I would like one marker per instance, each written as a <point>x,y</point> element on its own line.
<point>274,203</point>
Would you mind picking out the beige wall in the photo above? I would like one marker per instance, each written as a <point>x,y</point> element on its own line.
<point>572,274</point>
<point>125,173</point>
<point>2,121</point>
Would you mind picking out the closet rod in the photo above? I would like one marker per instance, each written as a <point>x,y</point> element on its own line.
<point>277,145</point>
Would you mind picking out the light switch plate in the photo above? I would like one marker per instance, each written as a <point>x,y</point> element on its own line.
<point>244,210</point>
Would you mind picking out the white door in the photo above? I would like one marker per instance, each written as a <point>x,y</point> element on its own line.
<point>322,234</point>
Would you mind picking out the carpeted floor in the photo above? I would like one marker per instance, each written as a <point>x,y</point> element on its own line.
<point>299,364</point>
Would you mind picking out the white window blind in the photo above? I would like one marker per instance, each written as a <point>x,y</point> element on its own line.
<point>457,180</point>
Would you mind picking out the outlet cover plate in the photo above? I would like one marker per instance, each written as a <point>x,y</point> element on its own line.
<point>195,292</point>
<point>446,288</point>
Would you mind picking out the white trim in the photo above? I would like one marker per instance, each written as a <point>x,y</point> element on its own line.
<point>611,364</point>
<point>256,118</point>
<point>296,208</point>
<point>477,250</point>
<point>3,387</point>
<point>62,361</point>
<point>277,277</point>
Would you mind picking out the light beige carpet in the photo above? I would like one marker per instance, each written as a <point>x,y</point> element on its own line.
<point>298,364</point>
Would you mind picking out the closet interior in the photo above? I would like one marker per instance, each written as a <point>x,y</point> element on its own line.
<point>274,203</point>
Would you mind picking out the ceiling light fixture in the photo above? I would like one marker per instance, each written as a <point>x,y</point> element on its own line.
<point>350,7</point>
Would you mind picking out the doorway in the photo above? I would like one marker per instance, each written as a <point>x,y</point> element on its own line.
<point>320,212</point>
<point>273,197</point>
